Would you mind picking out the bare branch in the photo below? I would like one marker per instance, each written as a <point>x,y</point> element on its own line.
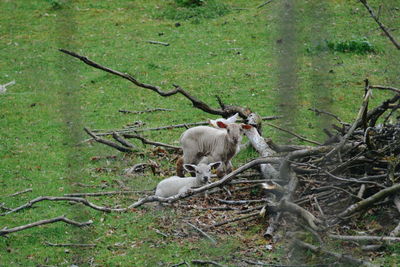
<point>146,141</point>
<point>145,111</point>
<point>381,87</point>
<point>203,233</point>
<point>383,27</point>
<point>6,231</point>
<point>107,142</point>
<point>294,134</point>
<point>20,192</point>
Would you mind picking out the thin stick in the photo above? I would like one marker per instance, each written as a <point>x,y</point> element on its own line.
<point>365,238</point>
<point>20,192</point>
<point>294,134</point>
<point>319,111</point>
<point>383,27</point>
<point>49,198</point>
<point>145,111</point>
<point>203,262</point>
<point>6,231</point>
<point>148,142</point>
<point>97,194</point>
<point>106,142</point>
<point>342,257</point>
<point>234,220</point>
<point>355,124</point>
<point>381,87</point>
<point>203,233</point>
<point>70,245</point>
<point>264,4</point>
<point>157,42</point>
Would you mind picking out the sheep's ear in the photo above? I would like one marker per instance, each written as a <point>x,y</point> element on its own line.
<point>190,167</point>
<point>215,165</point>
<point>221,124</point>
<point>246,126</point>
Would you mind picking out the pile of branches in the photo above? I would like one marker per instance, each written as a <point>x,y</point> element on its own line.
<point>319,188</point>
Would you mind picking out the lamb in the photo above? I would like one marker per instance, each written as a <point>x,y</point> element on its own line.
<point>205,144</point>
<point>176,185</point>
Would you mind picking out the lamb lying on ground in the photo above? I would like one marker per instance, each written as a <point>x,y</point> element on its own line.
<point>176,185</point>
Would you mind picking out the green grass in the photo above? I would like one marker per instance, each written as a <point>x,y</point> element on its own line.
<point>232,54</point>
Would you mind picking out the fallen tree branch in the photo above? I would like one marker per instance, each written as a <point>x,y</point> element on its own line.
<point>381,25</point>
<point>70,245</point>
<point>365,238</point>
<point>363,204</point>
<point>6,231</point>
<point>294,134</point>
<point>207,262</point>
<point>203,233</point>
<point>97,194</point>
<point>145,111</point>
<point>341,257</point>
<point>148,142</point>
<point>20,192</point>
<point>107,142</point>
<point>178,90</point>
<point>235,219</point>
<point>381,87</point>
<point>157,42</point>
<point>49,198</point>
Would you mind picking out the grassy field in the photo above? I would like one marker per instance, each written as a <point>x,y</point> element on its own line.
<point>231,49</point>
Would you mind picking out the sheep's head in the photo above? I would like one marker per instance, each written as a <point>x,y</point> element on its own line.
<point>203,171</point>
<point>234,131</point>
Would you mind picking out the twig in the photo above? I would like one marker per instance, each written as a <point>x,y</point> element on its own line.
<point>234,220</point>
<point>20,192</point>
<point>381,87</point>
<point>107,142</point>
<point>178,90</point>
<point>241,202</point>
<point>122,141</point>
<point>203,262</point>
<point>157,42</point>
<point>148,142</point>
<point>49,198</point>
<point>383,27</point>
<point>319,111</point>
<point>145,111</point>
<point>341,257</point>
<point>294,134</point>
<point>97,194</point>
<point>363,204</point>
<point>355,124</point>
<point>203,233</point>
<point>70,245</point>
<point>6,231</point>
<point>365,238</point>
<point>264,4</point>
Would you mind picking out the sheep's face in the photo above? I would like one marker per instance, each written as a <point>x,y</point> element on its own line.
<point>203,171</point>
<point>234,131</point>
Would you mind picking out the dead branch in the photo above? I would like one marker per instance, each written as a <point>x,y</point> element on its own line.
<point>202,233</point>
<point>148,142</point>
<point>341,257</point>
<point>355,124</point>
<point>6,231</point>
<point>157,42</point>
<point>363,204</point>
<point>365,238</point>
<point>70,245</point>
<point>122,141</point>
<point>49,198</point>
<point>319,111</point>
<point>107,142</point>
<point>144,111</point>
<point>251,215</point>
<point>178,90</point>
<point>294,134</point>
<point>381,87</point>
<point>264,4</point>
<point>381,25</point>
<point>97,194</point>
<point>293,208</point>
<point>207,262</point>
<point>20,192</point>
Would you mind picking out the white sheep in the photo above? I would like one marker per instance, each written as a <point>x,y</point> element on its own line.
<point>176,185</point>
<point>204,144</point>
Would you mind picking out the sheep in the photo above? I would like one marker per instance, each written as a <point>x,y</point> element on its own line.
<point>176,185</point>
<point>205,144</point>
